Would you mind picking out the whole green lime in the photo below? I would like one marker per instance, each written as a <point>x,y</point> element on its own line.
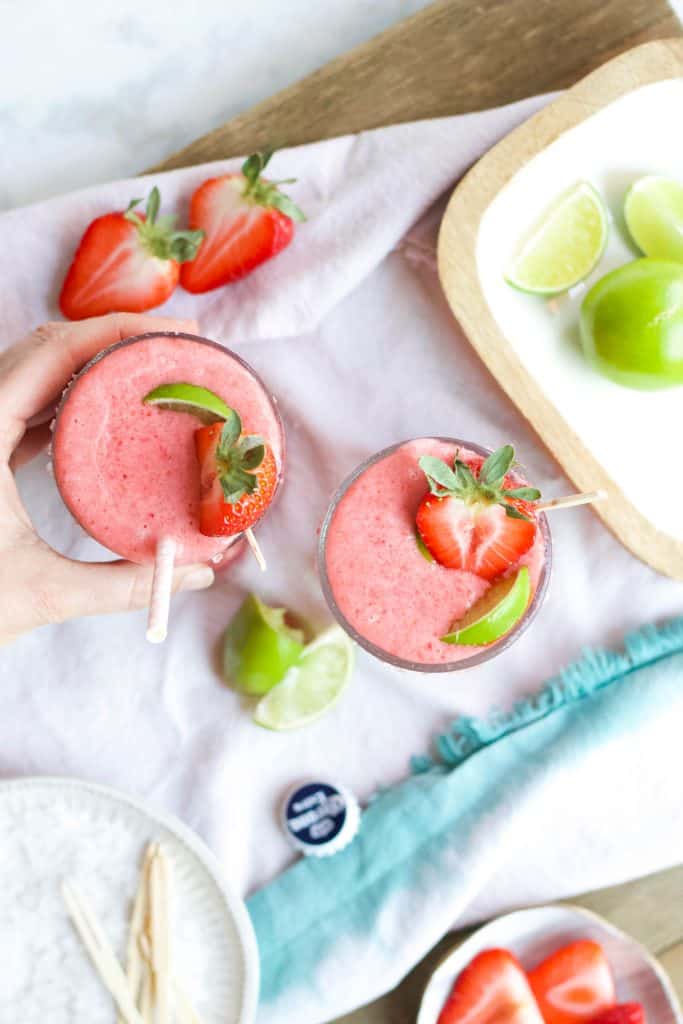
<point>632,324</point>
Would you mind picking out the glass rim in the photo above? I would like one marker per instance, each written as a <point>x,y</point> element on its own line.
<point>485,653</point>
<point>198,339</point>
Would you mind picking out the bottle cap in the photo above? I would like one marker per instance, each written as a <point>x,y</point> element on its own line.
<point>320,819</point>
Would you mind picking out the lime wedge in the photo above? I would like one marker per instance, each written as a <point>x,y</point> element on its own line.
<point>312,686</point>
<point>564,246</point>
<point>653,210</point>
<point>259,647</point>
<point>494,614</point>
<point>198,401</point>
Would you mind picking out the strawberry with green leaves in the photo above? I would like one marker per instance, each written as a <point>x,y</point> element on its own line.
<point>474,517</point>
<point>238,477</point>
<point>246,220</point>
<point>127,262</point>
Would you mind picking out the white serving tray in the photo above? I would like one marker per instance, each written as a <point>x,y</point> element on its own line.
<point>533,934</point>
<point>612,127</point>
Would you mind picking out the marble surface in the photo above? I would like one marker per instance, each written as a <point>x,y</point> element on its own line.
<point>118,85</point>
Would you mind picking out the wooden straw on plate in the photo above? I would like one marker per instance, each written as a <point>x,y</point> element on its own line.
<point>100,952</point>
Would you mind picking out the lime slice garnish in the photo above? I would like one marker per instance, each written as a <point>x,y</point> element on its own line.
<point>564,246</point>
<point>312,686</point>
<point>653,210</point>
<point>259,647</point>
<point>494,614</point>
<point>198,401</point>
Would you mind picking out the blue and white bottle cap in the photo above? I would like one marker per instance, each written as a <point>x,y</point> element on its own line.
<point>320,819</point>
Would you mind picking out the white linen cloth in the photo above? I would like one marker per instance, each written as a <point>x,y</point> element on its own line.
<point>351,331</point>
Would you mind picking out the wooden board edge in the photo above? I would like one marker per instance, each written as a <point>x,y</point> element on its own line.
<point>456,258</point>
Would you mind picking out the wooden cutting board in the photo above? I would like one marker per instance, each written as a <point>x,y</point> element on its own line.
<point>454,56</point>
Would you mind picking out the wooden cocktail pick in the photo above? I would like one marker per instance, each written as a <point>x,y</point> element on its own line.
<point>571,501</point>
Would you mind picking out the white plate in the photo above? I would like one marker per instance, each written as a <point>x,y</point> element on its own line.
<point>53,829</point>
<point>533,934</point>
<point>622,427</point>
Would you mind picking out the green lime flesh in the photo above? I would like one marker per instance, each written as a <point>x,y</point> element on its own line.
<point>312,686</point>
<point>259,647</point>
<point>632,324</point>
<point>564,246</point>
<point>494,614</point>
<point>653,210</point>
<point>190,398</point>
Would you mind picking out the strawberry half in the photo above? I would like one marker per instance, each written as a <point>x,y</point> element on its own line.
<point>126,262</point>
<point>474,518</point>
<point>238,478</point>
<point>574,984</point>
<point>492,989</point>
<point>246,219</point>
<point>622,1013</point>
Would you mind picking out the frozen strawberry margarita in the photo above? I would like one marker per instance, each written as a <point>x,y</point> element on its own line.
<point>405,554</point>
<point>132,473</point>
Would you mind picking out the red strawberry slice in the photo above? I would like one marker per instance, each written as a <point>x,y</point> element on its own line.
<point>574,984</point>
<point>238,478</point>
<point>246,219</point>
<point>475,517</point>
<point>492,989</point>
<point>126,262</point>
<point>622,1013</point>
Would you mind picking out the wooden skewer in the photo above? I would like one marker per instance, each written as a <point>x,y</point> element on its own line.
<point>162,584</point>
<point>100,952</point>
<point>134,961</point>
<point>160,934</point>
<point>256,549</point>
<point>571,501</point>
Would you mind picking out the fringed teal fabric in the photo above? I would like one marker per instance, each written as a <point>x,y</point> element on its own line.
<point>428,846</point>
<point>594,670</point>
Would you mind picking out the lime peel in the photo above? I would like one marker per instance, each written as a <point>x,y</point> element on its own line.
<point>259,647</point>
<point>495,613</point>
<point>564,246</point>
<point>312,686</point>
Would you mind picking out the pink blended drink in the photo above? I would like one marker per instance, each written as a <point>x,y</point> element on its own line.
<point>127,471</point>
<point>380,586</point>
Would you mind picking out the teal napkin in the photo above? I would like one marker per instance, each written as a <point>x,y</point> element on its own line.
<point>445,845</point>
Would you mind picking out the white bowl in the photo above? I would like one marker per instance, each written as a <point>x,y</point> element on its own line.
<point>533,934</point>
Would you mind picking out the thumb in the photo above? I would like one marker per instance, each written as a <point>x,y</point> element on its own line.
<point>97,588</point>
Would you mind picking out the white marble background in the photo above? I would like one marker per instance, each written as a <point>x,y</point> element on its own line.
<point>91,91</point>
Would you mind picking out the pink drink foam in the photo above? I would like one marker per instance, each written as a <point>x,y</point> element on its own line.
<point>386,590</point>
<point>128,472</point>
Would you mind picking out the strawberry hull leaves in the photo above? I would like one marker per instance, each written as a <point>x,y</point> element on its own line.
<point>460,482</point>
<point>157,233</point>
<point>236,457</point>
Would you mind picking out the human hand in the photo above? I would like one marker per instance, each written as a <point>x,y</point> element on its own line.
<point>38,585</point>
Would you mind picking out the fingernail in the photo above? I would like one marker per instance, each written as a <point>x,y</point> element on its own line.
<point>190,326</point>
<point>198,579</point>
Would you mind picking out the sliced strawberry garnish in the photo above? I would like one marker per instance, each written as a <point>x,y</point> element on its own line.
<point>126,262</point>
<point>474,517</point>
<point>238,477</point>
<point>574,984</point>
<point>246,219</point>
<point>622,1013</point>
<point>492,989</point>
